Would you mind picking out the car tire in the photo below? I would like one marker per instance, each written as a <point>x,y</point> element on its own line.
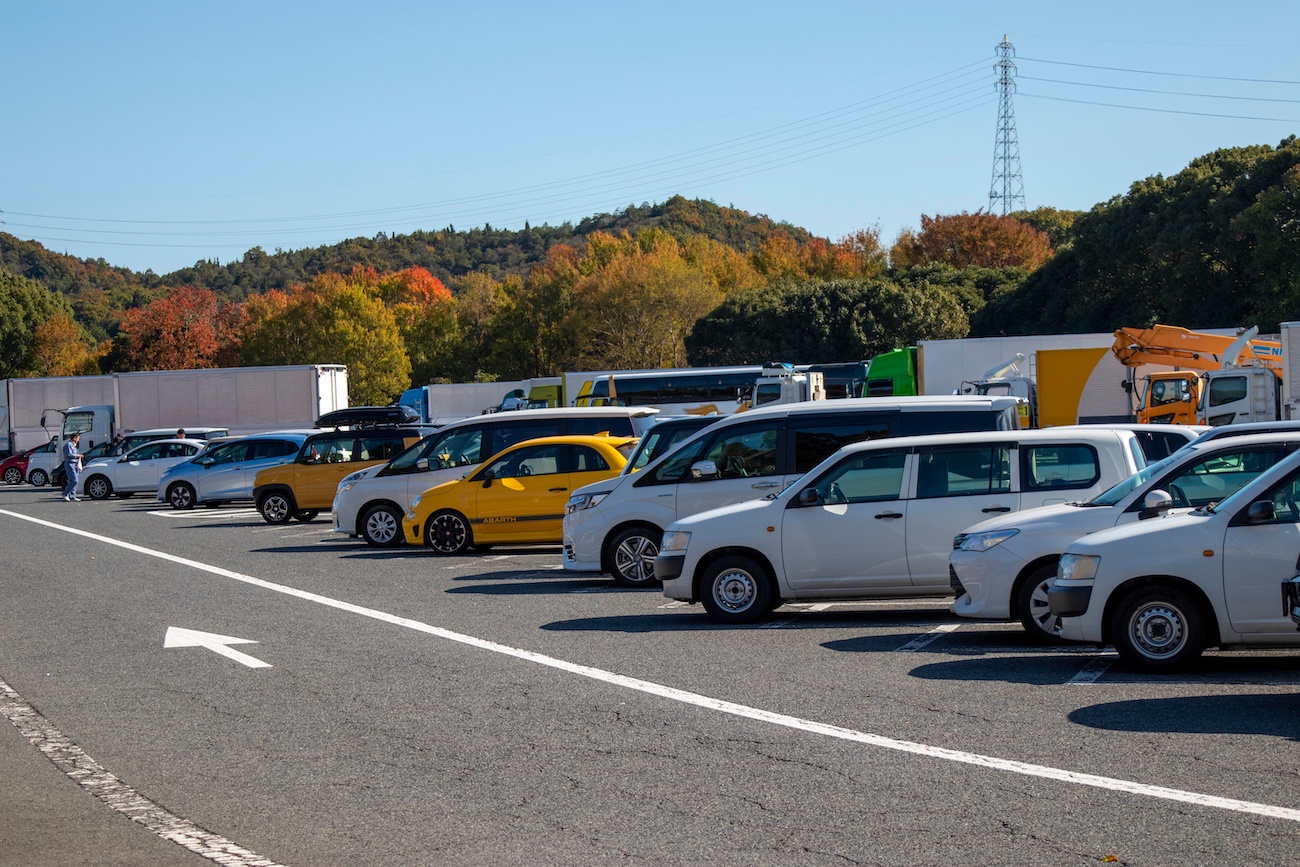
<point>98,487</point>
<point>631,556</point>
<point>1158,630</point>
<point>306,515</point>
<point>38,478</point>
<point>124,495</point>
<point>182,496</point>
<point>276,508</point>
<point>736,589</point>
<point>1031,605</point>
<point>381,527</point>
<point>13,476</point>
<point>448,532</point>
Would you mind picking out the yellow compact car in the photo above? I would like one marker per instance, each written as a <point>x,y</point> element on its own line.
<point>516,496</point>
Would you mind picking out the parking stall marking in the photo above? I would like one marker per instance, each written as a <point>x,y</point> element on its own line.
<point>206,513</point>
<point>709,703</point>
<point>1095,669</point>
<point>922,640</point>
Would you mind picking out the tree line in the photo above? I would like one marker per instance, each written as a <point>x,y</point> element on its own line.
<point>682,283</point>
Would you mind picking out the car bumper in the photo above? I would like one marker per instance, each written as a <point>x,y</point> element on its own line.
<point>584,536</point>
<point>345,518</point>
<point>669,568</point>
<point>984,581</point>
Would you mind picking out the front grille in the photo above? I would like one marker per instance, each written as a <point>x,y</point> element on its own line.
<point>955,582</point>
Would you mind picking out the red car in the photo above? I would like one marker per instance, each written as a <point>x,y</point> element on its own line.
<point>13,469</point>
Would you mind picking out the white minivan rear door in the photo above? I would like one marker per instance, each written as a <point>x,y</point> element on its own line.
<point>955,487</point>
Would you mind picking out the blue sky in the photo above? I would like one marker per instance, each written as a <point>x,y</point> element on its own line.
<point>155,135</point>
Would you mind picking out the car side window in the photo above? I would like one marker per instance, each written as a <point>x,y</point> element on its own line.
<point>675,466</point>
<point>504,436</point>
<point>260,449</point>
<point>229,454</point>
<point>1058,466</point>
<point>587,460</point>
<point>1221,475</point>
<point>329,450</point>
<point>527,461</point>
<point>816,439</point>
<point>147,453</point>
<point>963,471</point>
<point>618,426</point>
<point>864,478</point>
<point>378,448</point>
<point>745,451</point>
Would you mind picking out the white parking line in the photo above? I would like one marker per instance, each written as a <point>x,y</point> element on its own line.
<point>922,640</point>
<point>207,513</point>
<point>714,704</point>
<point>1095,669</point>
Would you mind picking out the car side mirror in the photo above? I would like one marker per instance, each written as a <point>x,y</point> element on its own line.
<point>810,497</point>
<point>1261,512</point>
<point>488,476</point>
<point>205,462</point>
<point>422,464</point>
<point>1156,502</point>
<point>704,470</point>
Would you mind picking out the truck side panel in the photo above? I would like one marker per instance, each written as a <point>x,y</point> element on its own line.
<point>1081,385</point>
<point>28,399</point>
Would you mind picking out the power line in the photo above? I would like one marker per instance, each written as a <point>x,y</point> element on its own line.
<point>1161,110</point>
<point>1155,72</point>
<point>1154,90</point>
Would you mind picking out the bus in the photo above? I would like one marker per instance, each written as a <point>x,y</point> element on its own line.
<point>678,391</point>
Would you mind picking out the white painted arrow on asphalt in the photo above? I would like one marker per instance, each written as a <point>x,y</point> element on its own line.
<point>177,637</point>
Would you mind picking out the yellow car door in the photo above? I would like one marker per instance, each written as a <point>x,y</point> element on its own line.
<point>524,500</point>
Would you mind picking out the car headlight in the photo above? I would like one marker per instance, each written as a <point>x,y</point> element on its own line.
<point>345,485</point>
<point>674,541</point>
<point>982,541</point>
<point>578,502</point>
<point>1077,567</point>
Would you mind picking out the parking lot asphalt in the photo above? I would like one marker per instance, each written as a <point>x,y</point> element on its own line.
<point>191,687</point>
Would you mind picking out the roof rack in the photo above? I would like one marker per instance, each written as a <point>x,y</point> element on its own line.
<point>370,416</point>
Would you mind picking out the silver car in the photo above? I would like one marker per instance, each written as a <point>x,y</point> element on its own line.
<point>225,471</point>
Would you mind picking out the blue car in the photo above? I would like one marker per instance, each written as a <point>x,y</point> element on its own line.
<point>225,471</point>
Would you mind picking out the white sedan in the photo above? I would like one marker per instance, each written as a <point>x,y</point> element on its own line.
<point>136,471</point>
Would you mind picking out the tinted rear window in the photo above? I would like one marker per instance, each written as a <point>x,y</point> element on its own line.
<point>939,421</point>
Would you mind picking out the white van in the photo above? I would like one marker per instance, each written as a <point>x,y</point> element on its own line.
<point>1002,568</point>
<point>370,502</point>
<point>615,526</point>
<point>877,518</point>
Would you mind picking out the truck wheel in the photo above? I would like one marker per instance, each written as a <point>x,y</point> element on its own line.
<point>13,476</point>
<point>381,527</point>
<point>276,508</point>
<point>38,478</point>
<point>736,589</point>
<point>448,533</point>
<point>1031,605</point>
<point>306,515</point>
<point>1158,630</point>
<point>631,556</point>
<point>182,496</point>
<point>99,487</point>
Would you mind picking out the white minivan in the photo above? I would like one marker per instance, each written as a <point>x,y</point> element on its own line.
<point>1001,568</point>
<point>877,518</point>
<point>370,502</point>
<point>615,526</point>
<point>1163,590</point>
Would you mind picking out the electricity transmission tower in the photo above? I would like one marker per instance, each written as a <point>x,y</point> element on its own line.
<point>1008,186</point>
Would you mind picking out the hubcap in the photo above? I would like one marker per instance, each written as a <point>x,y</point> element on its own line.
<point>12,476</point>
<point>276,509</point>
<point>734,590</point>
<point>1040,611</point>
<point>635,558</point>
<point>98,489</point>
<point>180,496</point>
<point>1158,630</point>
<point>447,534</point>
<point>381,527</point>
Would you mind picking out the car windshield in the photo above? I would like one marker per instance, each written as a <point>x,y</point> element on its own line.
<point>1132,483</point>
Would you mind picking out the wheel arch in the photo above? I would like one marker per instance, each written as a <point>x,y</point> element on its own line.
<point>716,554</point>
<point>1213,637</point>
<point>262,493</point>
<point>606,565</point>
<point>1030,568</point>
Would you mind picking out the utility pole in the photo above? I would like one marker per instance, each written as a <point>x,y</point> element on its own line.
<point>1007,192</point>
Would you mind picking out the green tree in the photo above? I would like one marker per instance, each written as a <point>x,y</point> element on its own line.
<point>333,319</point>
<point>27,305</point>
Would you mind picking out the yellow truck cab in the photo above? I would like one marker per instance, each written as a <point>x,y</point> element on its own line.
<point>360,436</point>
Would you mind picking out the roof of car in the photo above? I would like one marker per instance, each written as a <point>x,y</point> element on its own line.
<point>1080,433</point>
<point>884,404</point>
<point>574,440</point>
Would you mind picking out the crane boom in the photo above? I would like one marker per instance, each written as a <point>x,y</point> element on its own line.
<point>1178,347</point>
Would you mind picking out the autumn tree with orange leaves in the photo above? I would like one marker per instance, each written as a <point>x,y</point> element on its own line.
<point>971,240</point>
<point>184,329</point>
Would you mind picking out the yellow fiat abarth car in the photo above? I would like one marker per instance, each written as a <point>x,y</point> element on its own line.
<point>516,496</point>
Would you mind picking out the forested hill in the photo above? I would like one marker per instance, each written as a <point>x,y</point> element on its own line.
<point>100,292</point>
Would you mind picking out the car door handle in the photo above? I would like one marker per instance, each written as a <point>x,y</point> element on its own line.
<point>997,509</point>
<point>766,485</point>
<point>552,490</point>
<point>890,515</point>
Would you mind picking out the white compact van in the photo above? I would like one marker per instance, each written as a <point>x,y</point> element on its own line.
<point>877,519</point>
<point>370,502</point>
<point>615,526</point>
